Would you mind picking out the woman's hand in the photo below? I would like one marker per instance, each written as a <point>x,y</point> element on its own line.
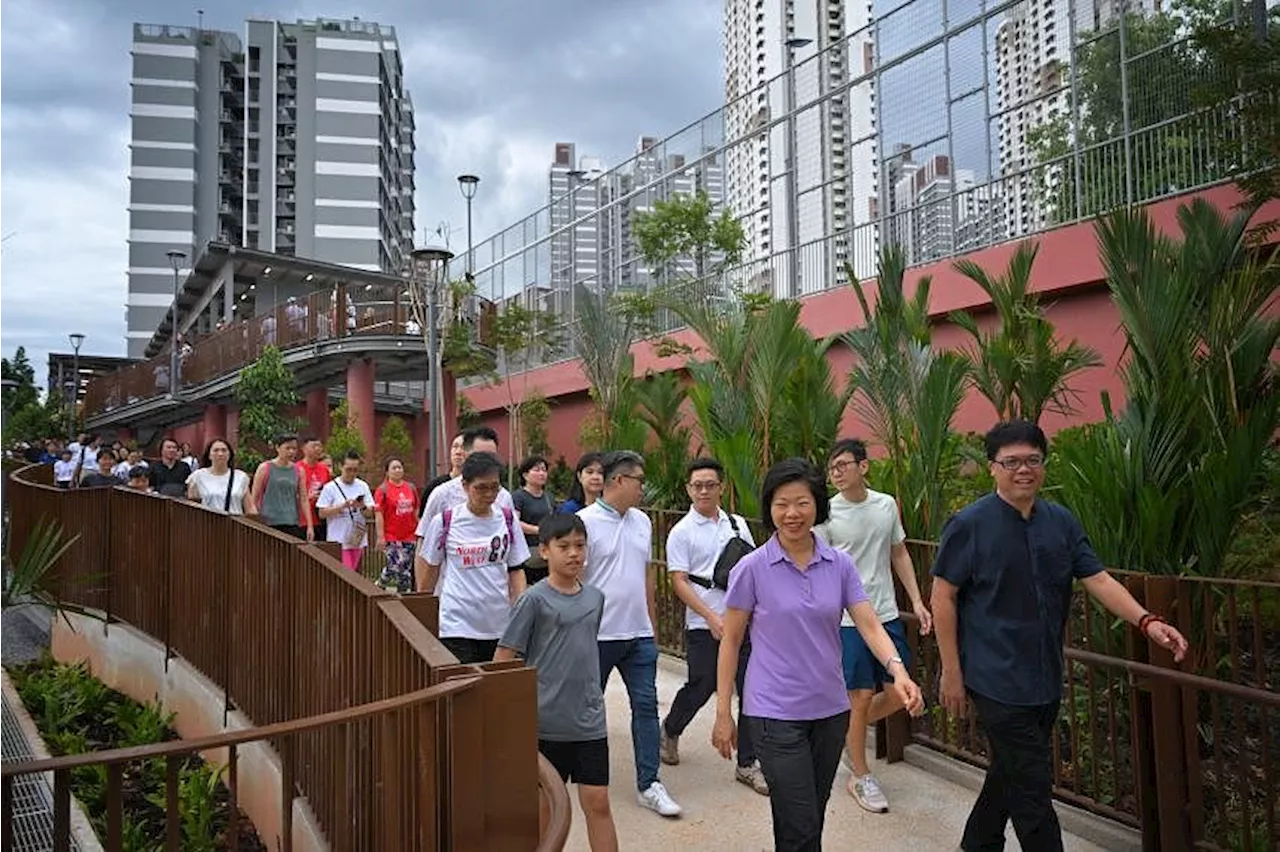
<point>724,736</point>
<point>909,693</point>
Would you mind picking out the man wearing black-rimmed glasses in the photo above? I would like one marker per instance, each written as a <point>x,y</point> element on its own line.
<point>1001,594</point>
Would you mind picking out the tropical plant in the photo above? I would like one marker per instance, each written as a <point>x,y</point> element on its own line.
<point>344,435</point>
<point>263,391</point>
<point>394,441</point>
<point>605,329</point>
<point>1020,367</point>
<point>907,393</point>
<point>535,411</point>
<point>27,580</point>
<point>522,337</point>
<point>1161,486</point>
<point>660,402</point>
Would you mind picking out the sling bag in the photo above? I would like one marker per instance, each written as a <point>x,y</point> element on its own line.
<point>732,553</point>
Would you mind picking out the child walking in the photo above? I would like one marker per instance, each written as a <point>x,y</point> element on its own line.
<point>554,627</point>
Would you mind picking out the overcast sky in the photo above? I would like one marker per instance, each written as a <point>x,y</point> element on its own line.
<point>495,84</point>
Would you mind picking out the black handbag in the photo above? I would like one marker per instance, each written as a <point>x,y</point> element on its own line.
<point>732,553</point>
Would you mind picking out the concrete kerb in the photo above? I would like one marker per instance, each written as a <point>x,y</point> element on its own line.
<point>1098,830</point>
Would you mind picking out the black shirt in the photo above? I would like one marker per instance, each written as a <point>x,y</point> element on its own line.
<point>532,510</point>
<point>1014,577</point>
<point>170,481</point>
<point>432,486</point>
<point>99,480</point>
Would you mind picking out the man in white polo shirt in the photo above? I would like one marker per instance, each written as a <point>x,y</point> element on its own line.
<point>694,546</point>
<point>619,539</point>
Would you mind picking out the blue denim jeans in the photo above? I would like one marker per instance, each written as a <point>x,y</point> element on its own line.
<point>637,661</point>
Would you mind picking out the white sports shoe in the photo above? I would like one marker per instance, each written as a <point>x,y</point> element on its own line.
<point>867,793</point>
<point>656,798</point>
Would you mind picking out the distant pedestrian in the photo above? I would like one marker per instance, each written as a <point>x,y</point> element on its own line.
<point>102,477</point>
<point>346,503</point>
<point>533,503</point>
<point>316,473</point>
<point>280,493</point>
<point>396,503</point>
<point>169,475</point>
<point>588,483</point>
<point>218,485</point>
<point>64,470</point>
<point>457,455</point>
<point>138,479</point>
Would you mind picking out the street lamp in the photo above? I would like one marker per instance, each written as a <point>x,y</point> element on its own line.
<point>468,184</point>
<point>793,211</point>
<point>175,260</point>
<point>429,270</point>
<point>77,340</point>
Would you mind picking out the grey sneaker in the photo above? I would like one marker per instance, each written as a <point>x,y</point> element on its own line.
<point>867,793</point>
<point>656,798</point>
<point>753,777</point>
<point>669,749</point>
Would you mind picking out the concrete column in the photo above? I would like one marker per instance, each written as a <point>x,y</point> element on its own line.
<point>215,423</point>
<point>318,412</point>
<point>233,427</point>
<point>360,375</point>
<point>449,390</point>
<point>421,441</point>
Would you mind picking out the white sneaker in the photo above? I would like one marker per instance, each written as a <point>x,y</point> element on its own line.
<point>867,793</point>
<point>656,798</point>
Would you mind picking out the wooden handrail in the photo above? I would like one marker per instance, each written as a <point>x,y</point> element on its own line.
<point>294,726</point>
<point>561,812</point>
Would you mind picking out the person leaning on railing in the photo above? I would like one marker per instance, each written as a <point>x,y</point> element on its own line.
<point>1002,581</point>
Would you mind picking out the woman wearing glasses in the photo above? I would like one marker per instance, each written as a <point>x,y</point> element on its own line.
<point>481,549</point>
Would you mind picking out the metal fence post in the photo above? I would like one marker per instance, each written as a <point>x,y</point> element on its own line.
<point>1171,792</point>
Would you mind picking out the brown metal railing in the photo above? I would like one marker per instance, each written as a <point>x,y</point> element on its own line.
<point>1187,753</point>
<point>289,634</point>
<point>343,311</point>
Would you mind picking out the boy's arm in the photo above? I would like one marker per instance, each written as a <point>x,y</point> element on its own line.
<point>503,655</point>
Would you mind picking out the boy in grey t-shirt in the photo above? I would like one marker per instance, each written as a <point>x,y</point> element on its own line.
<point>554,627</point>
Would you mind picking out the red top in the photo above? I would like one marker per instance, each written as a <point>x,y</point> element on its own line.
<point>399,507</point>
<point>315,475</point>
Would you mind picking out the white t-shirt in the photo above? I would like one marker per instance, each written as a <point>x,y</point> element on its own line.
<point>450,494</point>
<point>693,546</point>
<point>64,471</point>
<point>474,599</point>
<point>618,549</point>
<point>335,493</point>
<point>87,459</point>
<point>867,531</point>
<point>212,489</point>
<point>192,462</point>
<point>121,470</point>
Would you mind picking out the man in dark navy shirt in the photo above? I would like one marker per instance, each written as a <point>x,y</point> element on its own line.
<point>1001,594</point>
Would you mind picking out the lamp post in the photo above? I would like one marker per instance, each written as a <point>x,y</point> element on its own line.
<point>793,212</point>
<point>77,340</point>
<point>430,269</point>
<point>175,261</point>
<point>469,184</point>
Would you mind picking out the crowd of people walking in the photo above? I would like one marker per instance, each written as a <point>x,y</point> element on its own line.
<point>803,627</point>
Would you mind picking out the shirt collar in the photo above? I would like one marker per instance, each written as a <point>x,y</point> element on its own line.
<point>608,508</point>
<point>699,518</point>
<point>822,552</point>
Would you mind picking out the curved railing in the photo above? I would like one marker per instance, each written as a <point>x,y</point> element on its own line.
<point>289,635</point>
<point>344,311</point>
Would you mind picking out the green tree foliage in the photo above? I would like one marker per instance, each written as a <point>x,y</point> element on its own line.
<point>264,391</point>
<point>394,441</point>
<point>687,228</point>
<point>468,415</point>
<point>606,327</point>
<point>19,389</point>
<point>535,412</point>
<point>1021,367</point>
<point>1161,487</point>
<point>523,337</point>
<point>660,400</point>
<point>26,418</point>
<point>344,436</point>
<point>907,393</point>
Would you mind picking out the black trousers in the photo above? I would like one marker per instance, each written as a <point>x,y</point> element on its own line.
<point>702,653</point>
<point>470,650</point>
<point>1019,783</point>
<point>799,760</point>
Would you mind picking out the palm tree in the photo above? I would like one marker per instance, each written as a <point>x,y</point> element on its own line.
<point>660,402</point>
<point>604,333</point>
<point>1021,367</point>
<point>1161,486</point>
<point>907,392</point>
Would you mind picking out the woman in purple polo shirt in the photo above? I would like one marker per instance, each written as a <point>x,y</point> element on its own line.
<point>793,591</point>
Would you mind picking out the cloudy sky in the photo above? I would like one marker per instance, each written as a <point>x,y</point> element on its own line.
<point>495,83</point>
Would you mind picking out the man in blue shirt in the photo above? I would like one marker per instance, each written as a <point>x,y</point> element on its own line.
<point>1001,595</point>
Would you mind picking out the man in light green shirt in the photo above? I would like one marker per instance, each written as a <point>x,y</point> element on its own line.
<point>865,524</point>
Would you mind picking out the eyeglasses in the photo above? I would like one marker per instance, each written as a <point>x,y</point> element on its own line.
<point>637,477</point>
<point>841,466</point>
<point>485,487</point>
<point>703,486</point>
<point>1012,463</point>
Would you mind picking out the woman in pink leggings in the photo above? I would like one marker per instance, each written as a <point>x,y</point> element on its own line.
<point>346,503</point>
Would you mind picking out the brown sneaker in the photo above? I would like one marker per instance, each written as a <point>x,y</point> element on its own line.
<point>669,749</point>
<point>753,777</point>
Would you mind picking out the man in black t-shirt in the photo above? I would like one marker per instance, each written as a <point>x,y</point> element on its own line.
<point>169,475</point>
<point>102,477</point>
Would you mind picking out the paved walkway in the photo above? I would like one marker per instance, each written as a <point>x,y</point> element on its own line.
<point>721,815</point>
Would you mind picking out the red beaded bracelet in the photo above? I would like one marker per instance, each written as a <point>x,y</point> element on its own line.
<point>1148,619</point>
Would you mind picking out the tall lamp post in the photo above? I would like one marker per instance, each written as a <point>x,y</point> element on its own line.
<point>175,261</point>
<point>77,340</point>
<point>793,211</point>
<point>430,270</point>
<point>469,184</point>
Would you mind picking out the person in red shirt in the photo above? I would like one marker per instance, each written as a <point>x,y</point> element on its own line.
<point>396,504</point>
<point>315,474</point>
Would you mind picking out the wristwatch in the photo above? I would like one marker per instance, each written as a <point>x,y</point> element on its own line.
<point>893,660</point>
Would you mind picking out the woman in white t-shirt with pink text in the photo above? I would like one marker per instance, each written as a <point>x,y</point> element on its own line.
<point>218,485</point>
<point>482,551</point>
<point>346,504</point>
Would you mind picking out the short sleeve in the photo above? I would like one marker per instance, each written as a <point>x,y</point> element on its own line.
<point>520,628</point>
<point>431,549</point>
<point>954,560</point>
<point>368,496</point>
<point>822,532</point>
<point>328,497</point>
<point>678,550</point>
<point>380,499</point>
<point>742,586</point>
<point>899,534</point>
<point>518,552</point>
<point>1084,560</point>
<point>851,591</point>
<point>744,531</point>
<point>518,500</point>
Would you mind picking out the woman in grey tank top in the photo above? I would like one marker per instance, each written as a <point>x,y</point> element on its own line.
<point>281,492</point>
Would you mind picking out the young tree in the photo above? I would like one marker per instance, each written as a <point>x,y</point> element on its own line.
<point>660,402</point>
<point>522,337</point>
<point>685,238</point>
<point>344,434</point>
<point>263,391</point>
<point>394,441</point>
<point>19,389</point>
<point>606,328</point>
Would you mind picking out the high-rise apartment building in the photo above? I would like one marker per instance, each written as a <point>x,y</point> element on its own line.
<point>296,139</point>
<point>931,200</point>
<point>832,185</point>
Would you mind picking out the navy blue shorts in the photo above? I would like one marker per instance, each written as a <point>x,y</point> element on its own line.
<point>861,668</point>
